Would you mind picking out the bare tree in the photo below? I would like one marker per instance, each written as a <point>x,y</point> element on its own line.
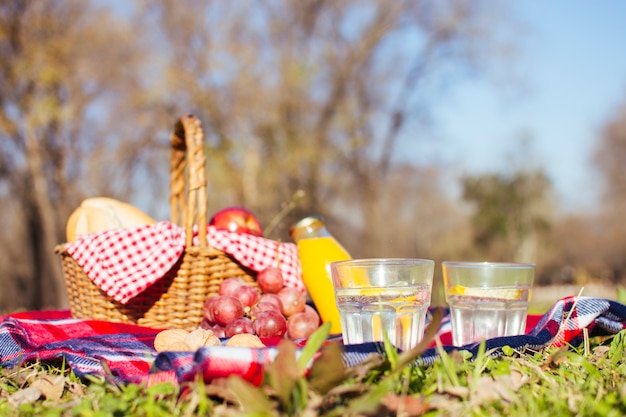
<point>313,95</point>
<point>573,252</point>
<point>57,68</point>
<point>610,155</point>
<point>310,95</point>
<point>509,213</point>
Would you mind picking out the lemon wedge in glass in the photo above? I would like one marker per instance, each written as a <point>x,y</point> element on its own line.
<point>499,293</point>
<point>372,291</point>
<point>457,290</point>
<point>396,295</point>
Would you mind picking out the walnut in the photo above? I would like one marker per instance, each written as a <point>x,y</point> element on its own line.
<point>245,340</point>
<point>164,339</point>
<point>213,341</point>
<point>201,337</point>
<point>179,346</point>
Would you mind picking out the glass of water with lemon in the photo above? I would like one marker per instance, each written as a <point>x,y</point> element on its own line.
<point>383,296</point>
<point>487,299</point>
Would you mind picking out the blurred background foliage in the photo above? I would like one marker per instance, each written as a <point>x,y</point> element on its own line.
<point>312,95</point>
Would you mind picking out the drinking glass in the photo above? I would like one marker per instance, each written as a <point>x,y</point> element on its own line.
<point>487,299</point>
<point>383,295</point>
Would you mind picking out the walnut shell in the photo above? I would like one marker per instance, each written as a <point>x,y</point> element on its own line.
<point>179,346</point>
<point>213,341</point>
<point>201,337</point>
<point>245,340</point>
<point>164,339</point>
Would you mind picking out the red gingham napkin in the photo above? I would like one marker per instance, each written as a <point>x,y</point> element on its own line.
<point>125,262</point>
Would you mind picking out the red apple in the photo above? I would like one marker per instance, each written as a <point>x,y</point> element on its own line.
<point>237,219</point>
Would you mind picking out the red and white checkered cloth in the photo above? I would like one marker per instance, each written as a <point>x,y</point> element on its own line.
<point>125,262</point>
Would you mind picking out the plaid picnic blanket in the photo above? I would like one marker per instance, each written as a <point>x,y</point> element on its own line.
<point>125,353</point>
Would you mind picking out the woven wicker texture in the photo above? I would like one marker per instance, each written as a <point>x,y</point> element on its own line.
<point>175,301</point>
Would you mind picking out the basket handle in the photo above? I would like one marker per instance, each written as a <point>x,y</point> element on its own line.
<point>188,178</point>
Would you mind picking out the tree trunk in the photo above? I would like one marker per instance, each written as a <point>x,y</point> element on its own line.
<point>47,268</point>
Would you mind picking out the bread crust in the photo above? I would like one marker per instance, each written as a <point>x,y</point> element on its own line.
<point>103,213</point>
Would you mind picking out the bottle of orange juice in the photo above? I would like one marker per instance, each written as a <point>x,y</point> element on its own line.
<point>317,249</point>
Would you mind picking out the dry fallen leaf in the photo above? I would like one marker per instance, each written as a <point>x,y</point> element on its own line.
<point>488,390</point>
<point>485,391</point>
<point>457,391</point>
<point>21,375</point>
<point>328,370</point>
<point>444,402</point>
<point>51,386</point>
<point>601,351</point>
<point>218,388</point>
<point>556,358</point>
<point>76,389</point>
<point>25,396</point>
<point>406,405</point>
<point>514,381</point>
<point>361,370</point>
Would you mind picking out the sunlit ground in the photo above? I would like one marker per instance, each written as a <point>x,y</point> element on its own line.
<point>544,297</point>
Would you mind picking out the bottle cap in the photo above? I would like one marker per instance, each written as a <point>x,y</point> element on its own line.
<point>307,227</point>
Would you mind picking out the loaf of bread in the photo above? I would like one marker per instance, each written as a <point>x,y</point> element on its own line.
<point>102,213</point>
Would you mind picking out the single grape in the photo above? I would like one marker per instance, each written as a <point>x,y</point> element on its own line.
<point>248,295</point>
<point>205,324</point>
<point>262,306</point>
<point>272,299</point>
<point>225,309</point>
<point>238,326</point>
<point>218,331</point>
<point>301,325</point>
<point>270,324</point>
<point>270,280</point>
<point>310,310</point>
<point>207,310</point>
<point>292,299</point>
<point>230,286</point>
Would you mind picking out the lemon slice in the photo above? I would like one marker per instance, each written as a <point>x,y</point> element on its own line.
<point>372,291</point>
<point>457,290</point>
<point>499,293</point>
<point>392,296</point>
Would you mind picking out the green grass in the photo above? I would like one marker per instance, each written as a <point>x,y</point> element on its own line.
<point>579,381</point>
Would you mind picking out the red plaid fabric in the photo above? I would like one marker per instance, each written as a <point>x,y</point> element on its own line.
<point>125,262</point>
<point>126,352</point>
<point>88,346</point>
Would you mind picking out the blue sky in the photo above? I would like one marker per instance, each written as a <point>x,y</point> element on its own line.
<point>572,61</point>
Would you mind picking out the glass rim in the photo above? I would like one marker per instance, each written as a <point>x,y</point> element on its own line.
<point>487,264</point>
<point>385,261</point>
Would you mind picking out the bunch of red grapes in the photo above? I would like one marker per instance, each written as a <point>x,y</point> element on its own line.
<point>272,310</point>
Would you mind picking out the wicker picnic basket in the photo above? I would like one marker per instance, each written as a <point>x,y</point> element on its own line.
<point>176,300</point>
